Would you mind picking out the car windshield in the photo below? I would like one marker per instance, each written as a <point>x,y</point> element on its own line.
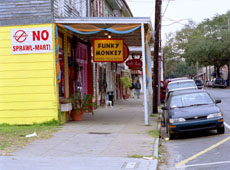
<point>219,80</point>
<point>183,84</point>
<point>191,99</point>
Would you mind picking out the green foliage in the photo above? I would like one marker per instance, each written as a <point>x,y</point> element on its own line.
<point>47,123</point>
<point>206,44</point>
<point>81,104</point>
<point>136,156</point>
<point>184,70</point>
<point>13,136</point>
<point>178,68</point>
<point>211,47</point>
<point>154,133</point>
<point>59,115</point>
<point>126,81</point>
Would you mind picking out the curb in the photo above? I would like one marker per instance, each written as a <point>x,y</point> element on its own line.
<point>156,146</point>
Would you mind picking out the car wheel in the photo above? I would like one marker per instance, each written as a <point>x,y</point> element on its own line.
<point>170,134</point>
<point>221,130</point>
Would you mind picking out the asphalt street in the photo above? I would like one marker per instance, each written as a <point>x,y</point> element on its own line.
<point>200,150</point>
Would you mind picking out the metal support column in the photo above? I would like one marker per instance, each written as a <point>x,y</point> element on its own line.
<point>144,75</point>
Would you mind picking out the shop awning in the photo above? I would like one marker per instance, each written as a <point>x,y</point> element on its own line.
<point>135,31</point>
<point>94,24</point>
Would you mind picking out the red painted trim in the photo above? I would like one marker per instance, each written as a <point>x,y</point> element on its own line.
<point>62,50</point>
<point>90,75</point>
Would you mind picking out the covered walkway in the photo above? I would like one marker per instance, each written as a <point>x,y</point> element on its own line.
<point>136,32</point>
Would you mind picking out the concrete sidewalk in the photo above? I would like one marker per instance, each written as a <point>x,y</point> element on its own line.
<point>106,141</point>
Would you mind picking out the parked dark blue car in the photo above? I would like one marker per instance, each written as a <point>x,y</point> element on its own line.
<point>199,84</point>
<point>192,110</point>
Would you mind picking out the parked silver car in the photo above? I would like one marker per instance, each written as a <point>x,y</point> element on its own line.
<point>181,84</point>
<point>219,82</point>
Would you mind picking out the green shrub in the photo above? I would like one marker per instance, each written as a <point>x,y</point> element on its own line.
<point>126,81</point>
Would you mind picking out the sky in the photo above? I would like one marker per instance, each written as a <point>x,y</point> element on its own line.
<point>179,10</point>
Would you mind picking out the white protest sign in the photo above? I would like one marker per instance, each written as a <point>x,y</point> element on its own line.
<point>31,40</point>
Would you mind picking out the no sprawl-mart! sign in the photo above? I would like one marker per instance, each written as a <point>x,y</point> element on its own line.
<point>31,40</point>
<point>108,50</point>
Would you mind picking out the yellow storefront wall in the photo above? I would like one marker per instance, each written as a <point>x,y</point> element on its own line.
<point>28,89</point>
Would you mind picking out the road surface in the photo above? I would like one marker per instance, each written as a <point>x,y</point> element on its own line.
<point>200,150</point>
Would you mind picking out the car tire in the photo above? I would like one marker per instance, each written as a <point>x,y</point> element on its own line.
<point>170,134</point>
<point>221,130</point>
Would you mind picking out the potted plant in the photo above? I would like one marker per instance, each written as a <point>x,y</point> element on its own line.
<point>80,105</point>
<point>127,82</point>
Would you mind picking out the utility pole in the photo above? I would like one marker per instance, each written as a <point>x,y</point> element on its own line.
<point>228,83</point>
<point>156,55</point>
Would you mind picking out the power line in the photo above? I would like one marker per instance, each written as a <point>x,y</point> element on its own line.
<point>176,22</point>
<point>166,8</point>
<point>153,8</point>
<point>164,11</point>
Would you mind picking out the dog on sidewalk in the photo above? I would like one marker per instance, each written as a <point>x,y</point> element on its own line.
<point>108,102</point>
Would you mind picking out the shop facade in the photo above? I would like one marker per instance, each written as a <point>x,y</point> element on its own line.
<point>34,84</point>
<point>28,74</point>
<point>55,73</point>
<point>75,64</point>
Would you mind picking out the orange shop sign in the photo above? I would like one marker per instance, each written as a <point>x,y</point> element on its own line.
<point>31,40</point>
<point>108,50</point>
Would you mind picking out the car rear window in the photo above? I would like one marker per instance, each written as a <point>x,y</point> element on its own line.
<point>177,85</point>
<point>190,99</point>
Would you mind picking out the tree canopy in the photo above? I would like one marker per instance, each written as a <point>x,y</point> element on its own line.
<point>207,43</point>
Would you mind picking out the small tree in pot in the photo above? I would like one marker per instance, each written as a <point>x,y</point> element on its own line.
<point>127,82</point>
<point>81,105</point>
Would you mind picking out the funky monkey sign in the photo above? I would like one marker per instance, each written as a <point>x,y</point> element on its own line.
<point>108,50</point>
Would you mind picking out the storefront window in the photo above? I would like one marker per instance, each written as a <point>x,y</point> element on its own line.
<point>62,65</point>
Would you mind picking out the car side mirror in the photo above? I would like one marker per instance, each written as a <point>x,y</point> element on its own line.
<point>217,101</point>
<point>164,108</point>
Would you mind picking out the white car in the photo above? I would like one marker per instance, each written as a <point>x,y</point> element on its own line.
<point>209,83</point>
<point>181,84</point>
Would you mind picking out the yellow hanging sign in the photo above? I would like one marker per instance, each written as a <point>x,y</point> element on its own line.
<point>108,50</point>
